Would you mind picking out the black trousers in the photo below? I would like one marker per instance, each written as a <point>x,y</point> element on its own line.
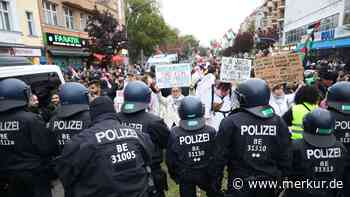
<point>160,183</point>
<point>191,180</point>
<point>28,186</point>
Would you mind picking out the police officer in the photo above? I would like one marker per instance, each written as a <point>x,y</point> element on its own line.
<point>26,145</point>
<point>318,157</point>
<point>338,101</point>
<point>137,97</point>
<point>190,150</point>
<point>253,142</point>
<point>72,115</point>
<point>107,159</point>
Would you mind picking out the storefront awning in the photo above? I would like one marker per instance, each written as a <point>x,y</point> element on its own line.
<point>328,44</point>
<point>69,52</point>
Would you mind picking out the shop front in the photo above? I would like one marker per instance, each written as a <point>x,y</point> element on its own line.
<point>331,44</point>
<point>11,46</point>
<point>64,50</point>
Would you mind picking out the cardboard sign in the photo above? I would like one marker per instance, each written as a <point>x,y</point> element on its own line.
<point>235,69</point>
<point>279,68</point>
<point>173,75</point>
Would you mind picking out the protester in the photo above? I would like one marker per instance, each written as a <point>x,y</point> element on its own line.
<point>221,103</point>
<point>280,101</point>
<point>306,100</point>
<point>169,106</point>
<point>204,88</point>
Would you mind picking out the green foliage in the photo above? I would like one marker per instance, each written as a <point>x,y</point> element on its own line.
<point>146,28</point>
<point>102,28</point>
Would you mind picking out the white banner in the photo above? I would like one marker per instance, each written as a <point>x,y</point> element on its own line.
<point>173,75</point>
<point>235,69</point>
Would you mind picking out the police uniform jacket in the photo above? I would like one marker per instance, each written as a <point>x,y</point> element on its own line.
<point>66,127</point>
<point>106,160</point>
<point>152,125</point>
<point>315,163</point>
<point>253,146</point>
<point>189,151</point>
<point>26,145</point>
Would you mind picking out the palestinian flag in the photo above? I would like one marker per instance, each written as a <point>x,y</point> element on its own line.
<point>312,29</point>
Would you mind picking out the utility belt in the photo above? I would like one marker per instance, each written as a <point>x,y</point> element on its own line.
<point>224,113</point>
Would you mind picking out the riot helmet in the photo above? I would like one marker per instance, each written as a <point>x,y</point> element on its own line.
<point>137,96</point>
<point>254,96</point>
<point>74,98</point>
<point>318,128</point>
<point>191,112</point>
<point>338,97</point>
<point>14,93</point>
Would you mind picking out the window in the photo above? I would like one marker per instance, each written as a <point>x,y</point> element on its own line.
<point>330,22</point>
<point>30,23</point>
<point>50,13</point>
<point>69,18</point>
<point>83,21</point>
<point>4,16</point>
<point>347,13</point>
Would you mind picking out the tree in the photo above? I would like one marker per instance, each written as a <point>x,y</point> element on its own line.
<point>107,36</point>
<point>146,28</point>
<point>189,42</point>
<point>244,42</point>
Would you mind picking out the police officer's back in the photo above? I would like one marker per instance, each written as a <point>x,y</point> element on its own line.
<point>190,150</point>
<point>72,115</point>
<point>26,146</point>
<point>137,97</point>
<point>338,101</point>
<point>317,157</point>
<point>253,141</point>
<point>107,159</point>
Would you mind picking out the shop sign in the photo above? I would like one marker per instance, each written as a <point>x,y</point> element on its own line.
<point>325,35</point>
<point>342,31</point>
<point>328,35</point>
<point>26,52</point>
<point>64,40</point>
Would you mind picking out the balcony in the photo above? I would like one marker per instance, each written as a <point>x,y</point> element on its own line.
<point>85,5</point>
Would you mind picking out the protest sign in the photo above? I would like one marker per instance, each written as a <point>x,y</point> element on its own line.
<point>279,68</point>
<point>173,75</point>
<point>235,69</point>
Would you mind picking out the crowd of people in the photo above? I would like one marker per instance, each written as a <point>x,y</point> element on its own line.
<point>104,133</point>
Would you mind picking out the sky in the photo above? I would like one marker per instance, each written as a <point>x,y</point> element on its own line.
<point>207,19</point>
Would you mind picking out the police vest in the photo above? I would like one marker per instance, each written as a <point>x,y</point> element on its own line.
<point>194,149</point>
<point>342,128</point>
<point>299,112</point>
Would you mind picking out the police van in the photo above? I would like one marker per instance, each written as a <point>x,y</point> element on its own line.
<point>44,80</point>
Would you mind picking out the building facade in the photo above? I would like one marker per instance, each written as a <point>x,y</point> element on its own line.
<point>333,16</point>
<point>20,30</point>
<point>63,26</point>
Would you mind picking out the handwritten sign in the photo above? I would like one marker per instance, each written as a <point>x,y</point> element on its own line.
<point>279,68</point>
<point>235,69</point>
<point>173,75</point>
